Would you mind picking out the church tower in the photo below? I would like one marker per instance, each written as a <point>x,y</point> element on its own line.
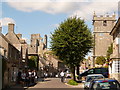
<point>102,27</point>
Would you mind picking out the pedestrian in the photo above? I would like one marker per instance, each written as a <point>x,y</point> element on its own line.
<point>23,77</point>
<point>62,75</point>
<point>30,76</point>
<point>27,79</point>
<point>35,75</point>
<point>19,76</point>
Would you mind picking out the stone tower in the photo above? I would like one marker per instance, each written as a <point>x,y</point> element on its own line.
<point>45,41</point>
<point>35,41</point>
<point>102,27</point>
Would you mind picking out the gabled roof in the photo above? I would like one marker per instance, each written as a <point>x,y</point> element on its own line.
<point>12,37</point>
<point>115,27</point>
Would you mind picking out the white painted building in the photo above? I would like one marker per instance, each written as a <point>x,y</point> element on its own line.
<point>114,64</point>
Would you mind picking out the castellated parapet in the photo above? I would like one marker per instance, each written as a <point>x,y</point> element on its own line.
<point>37,45</point>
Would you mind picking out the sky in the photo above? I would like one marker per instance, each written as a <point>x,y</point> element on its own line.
<point>44,16</point>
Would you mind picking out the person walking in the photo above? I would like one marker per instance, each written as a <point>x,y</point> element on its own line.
<point>23,77</point>
<point>19,76</point>
<point>30,76</point>
<point>62,75</point>
<point>35,75</point>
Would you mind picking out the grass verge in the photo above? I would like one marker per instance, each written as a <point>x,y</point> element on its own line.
<point>72,82</point>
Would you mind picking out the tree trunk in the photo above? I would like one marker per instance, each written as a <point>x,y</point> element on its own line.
<point>73,73</point>
<point>78,71</point>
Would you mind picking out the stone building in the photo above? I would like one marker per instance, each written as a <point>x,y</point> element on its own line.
<point>15,50</point>
<point>54,65</point>
<point>19,43</point>
<point>37,48</point>
<point>114,64</point>
<point>102,39</point>
<point>10,61</point>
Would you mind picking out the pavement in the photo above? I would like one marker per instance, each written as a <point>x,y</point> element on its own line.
<point>48,83</point>
<point>54,83</point>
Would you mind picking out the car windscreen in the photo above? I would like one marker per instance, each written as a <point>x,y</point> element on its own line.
<point>89,78</point>
<point>107,85</point>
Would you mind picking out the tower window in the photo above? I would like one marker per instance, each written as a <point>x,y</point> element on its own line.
<point>105,23</point>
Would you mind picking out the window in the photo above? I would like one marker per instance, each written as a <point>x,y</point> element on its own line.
<point>97,70</point>
<point>91,71</point>
<point>117,66</point>
<point>105,23</point>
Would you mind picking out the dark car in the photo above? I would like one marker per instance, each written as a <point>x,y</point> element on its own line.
<point>104,84</point>
<point>103,71</point>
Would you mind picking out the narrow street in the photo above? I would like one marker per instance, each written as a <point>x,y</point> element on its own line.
<point>53,83</point>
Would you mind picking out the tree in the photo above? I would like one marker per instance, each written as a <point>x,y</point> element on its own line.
<point>32,62</point>
<point>71,41</point>
<point>100,60</point>
<point>109,51</point>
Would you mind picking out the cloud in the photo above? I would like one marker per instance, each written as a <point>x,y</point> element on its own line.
<point>82,9</point>
<point>48,7</point>
<point>55,25</point>
<point>6,20</point>
<point>100,8</point>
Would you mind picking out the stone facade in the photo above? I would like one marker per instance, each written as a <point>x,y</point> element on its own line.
<point>102,39</point>
<point>18,42</point>
<point>114,64</point>
<point>10,61</point>
<point>16,52</point>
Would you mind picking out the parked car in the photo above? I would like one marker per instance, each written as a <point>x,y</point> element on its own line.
<point>91,77</point>
<point>104,84</point>
<point>103,71</point>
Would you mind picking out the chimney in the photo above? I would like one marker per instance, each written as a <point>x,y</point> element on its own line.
<point>10,27</point>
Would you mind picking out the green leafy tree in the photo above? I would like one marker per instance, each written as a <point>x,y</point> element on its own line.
<point>71,41</point>
<point>100,60</point>
<point>32,63</point>
<point>109,51</point>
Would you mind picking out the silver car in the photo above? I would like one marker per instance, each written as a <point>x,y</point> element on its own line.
<point>91,77</point>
